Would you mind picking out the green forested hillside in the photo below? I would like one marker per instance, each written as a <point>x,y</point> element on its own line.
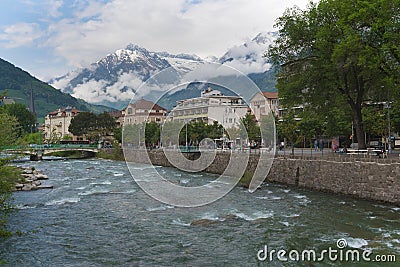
<point>18,84</point>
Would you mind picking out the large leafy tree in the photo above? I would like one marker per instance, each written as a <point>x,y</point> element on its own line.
<point>9,128</point>
<point>92,125</point>
<point>26,119</point>
<point>249,128</point>
<point>337,54</point>
<point>83,123</point>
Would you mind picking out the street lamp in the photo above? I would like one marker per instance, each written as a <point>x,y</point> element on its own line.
<point>186,135</point>
<point>389,129</point>
<point>140,126</point>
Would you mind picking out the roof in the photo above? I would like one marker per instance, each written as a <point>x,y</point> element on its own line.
<point>63,111</point>
<point>144,104</point>
<point>270,94</point>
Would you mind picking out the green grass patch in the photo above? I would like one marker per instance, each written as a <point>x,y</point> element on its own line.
<point>246,179</point>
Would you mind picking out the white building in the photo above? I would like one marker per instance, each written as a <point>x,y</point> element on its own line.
<point>263,103</point>
<point>211,106</point>
<point>143,111</point>
<point>57,123</point>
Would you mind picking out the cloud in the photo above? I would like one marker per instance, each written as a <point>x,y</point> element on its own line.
<point>100,91</point>
<point>20,34</point>
<point>248,58</point>
<point>206,27</point>
<point>72,34</point>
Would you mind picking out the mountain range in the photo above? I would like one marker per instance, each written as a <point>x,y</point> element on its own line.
<point>17,84</point>
<point>113,80</point>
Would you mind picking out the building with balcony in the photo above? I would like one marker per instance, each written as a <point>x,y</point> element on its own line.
<point>57,122</point>
<point>211,106</point>
<point>143,111</point>
<point>263,103</point>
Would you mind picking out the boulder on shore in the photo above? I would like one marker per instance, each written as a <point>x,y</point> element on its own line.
<point>31,181</point>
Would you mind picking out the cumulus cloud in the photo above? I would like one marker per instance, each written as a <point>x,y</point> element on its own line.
<point>206,27</point>
<point>102,91</point>
<point>248,58</point>
<point>20,34</point>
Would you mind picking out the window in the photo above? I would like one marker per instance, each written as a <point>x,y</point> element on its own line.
<point>129,111</point>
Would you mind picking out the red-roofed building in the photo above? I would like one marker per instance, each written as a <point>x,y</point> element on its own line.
<point>143,111</point>
<point>57,122</point>
<point>263,103</point>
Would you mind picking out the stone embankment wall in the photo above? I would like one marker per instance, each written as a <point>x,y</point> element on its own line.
<point>372,180</point>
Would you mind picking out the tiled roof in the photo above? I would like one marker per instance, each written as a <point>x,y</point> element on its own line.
<point>270,94</point>
<point>63,111</point>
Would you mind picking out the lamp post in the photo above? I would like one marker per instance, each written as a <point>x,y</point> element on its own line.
<point>186,135</point>
<point>390,130</point>
<point>30,137</point>
<point>139,136</point>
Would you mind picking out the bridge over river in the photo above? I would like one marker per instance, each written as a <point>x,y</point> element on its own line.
<point>37,152</point>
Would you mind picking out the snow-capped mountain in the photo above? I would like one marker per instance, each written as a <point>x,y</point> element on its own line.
<point>249,57</point>
<point>181,62</point>
<point>114,79</point>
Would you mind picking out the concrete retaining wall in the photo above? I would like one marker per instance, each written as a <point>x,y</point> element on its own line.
<point>367,180</point>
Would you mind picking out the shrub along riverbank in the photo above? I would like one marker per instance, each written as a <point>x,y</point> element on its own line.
<point>114,153</point>
<point>9,176</point>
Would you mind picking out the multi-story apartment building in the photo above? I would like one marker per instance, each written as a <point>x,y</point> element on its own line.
<point>57,122</point>
<point>211,106</point>
<point>143,111</point>
<point>263,103</point>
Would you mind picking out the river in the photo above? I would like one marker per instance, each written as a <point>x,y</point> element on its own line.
<point>96,215</point>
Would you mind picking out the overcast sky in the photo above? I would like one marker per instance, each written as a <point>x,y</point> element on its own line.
<point>51,37</point>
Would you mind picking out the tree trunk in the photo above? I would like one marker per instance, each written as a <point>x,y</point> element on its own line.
<point>359,128</point>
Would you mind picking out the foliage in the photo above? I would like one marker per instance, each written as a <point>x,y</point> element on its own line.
<point>288,128</point>
<point>170,133</point>
<point>246,179</point>
<point>131,134</point>
<point>92,125</point>
<point>9,127</point>
<point>249,128</point>
<point>152,133</point>
<point>30,139</point>
<point>376,121</point>
<point>338,49</point>
<point>9,175</point>
<point>268,130</point>
<point>26,119</point>
<point>118,134</point>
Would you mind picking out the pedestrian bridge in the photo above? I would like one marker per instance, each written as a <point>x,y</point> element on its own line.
<point>38,151</point>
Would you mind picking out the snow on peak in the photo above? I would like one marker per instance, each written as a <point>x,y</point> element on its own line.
<point>249,56</point>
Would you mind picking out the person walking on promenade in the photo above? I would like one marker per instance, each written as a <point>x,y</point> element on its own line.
<point>316,145</point>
